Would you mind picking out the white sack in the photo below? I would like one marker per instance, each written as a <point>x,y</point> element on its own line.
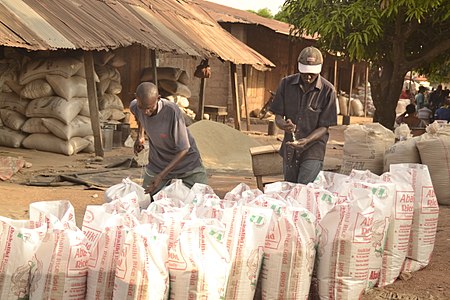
<point>68,88</point>
<point>345,234</point>
<point>434,152</point>
<point>80,126</point>
<point>12,119</point>
<point>62,255</point>
<point>54,107</point>
<point>365,146</point>
<point>199,262</point>
<point>397,239</point>
<point>246,229</point>
<point>19,241</point>
<point>425,217</point>
<point>37,89</point>
<point>175,88</point>
<point>402,152</point>
<point>114,87</point>
<point>34,125</point>
<point>163,73</point>
<point>39,68</point>
<point>50,143</point>
<point>105,234</point>
<point>110,101</point>
<point>11,138</point>
<point>289,254</point>
<point>142,266</point>
<point>125,187</point>
<point>13,102</point>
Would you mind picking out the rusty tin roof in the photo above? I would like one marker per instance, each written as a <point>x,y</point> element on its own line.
<point>177,26</point>
<point>227,14</point>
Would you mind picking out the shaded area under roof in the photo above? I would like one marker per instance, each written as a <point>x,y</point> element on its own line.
<point>176,26</point>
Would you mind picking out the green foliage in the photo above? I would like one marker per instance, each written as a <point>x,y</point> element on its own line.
<point>438,70</point>
<point>263,12</point>
<point>281,16</point>
<point>367,29</point>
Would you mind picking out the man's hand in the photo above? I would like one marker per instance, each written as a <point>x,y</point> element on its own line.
<point>289,126</point>
<point>139,145</point>
<point>298,144</point>
<point>153,185</point>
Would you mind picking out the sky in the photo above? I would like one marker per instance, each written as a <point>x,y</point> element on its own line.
<point>273,5</point>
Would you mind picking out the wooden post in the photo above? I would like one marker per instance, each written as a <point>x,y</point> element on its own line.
<point>93,103</point>
<point>201,101</point>
<point>351,87</point>
<point>335,76</point>
<point>290,69</point>
<point>244,81</point>
<point>366,85</point>
<point>234,93</point>
<point>154,66</point>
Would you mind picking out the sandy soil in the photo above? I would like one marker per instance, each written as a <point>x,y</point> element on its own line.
<point>433,282</point>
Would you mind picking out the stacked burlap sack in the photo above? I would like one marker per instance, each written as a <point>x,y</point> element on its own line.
<point>173,85</point>
<point>44,104</point>
<point>431,149</point>
<point>353,107</point>
<point>334,238</point>
<point>109,85</point>
<point>364,147</point>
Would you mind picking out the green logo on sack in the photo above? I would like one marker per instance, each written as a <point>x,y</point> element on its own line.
<point>258,220</point>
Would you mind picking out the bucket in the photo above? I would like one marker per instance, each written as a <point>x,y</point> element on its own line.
<point>107,137</point>
<point>117,138</point>
<point>272,128</point>
<point>125,129</point>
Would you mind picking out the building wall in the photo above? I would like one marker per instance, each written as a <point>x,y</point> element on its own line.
<point>217,87</point>
<point>276,47</point>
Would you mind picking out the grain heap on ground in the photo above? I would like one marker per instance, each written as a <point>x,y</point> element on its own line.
<point>221,146</point>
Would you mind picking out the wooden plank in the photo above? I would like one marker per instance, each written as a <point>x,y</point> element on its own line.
<point>264,149</point>
<point>235,93</point>
<point>153,56</point>
<point>266,160</point>
<point>244,82</point>
<point>201,100</point>
<point>93,102</point>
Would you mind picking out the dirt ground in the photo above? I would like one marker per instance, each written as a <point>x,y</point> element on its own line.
<point>433,282</point>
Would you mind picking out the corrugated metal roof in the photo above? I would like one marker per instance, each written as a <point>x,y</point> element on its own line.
<point>178,26</point>
<point>227,14</point>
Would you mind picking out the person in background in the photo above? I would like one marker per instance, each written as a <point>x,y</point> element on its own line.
<point>173,153</point>
<point>406,94</point>
<point>437,98</point>
<point>420,98</point>
<point>304,107</point>
<point>443,112</point>
<point>409,117</point>
<point>425,114</point>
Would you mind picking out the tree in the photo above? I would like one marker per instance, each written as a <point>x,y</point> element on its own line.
<point>281,16</point>
<point>263,12</point>
<point>394,35</point>
<point>438,70</point>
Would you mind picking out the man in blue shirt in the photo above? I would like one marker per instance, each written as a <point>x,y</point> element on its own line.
<point>443,112</point>
<point>304,107</point>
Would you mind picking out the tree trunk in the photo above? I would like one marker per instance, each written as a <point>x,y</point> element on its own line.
<point>386,87</point>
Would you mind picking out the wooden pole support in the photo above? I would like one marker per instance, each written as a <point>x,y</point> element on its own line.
<point>93,103</point>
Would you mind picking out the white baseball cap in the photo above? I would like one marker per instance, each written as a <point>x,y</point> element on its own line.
<point>310,61</point>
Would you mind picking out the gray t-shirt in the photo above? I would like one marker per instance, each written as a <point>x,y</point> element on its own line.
<point>168,135</point>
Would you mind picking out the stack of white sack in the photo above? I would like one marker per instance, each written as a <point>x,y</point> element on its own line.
<point>334,238</point>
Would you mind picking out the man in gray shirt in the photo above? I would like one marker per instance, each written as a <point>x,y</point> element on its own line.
<point>304,107</point>
<point>173,153</point>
